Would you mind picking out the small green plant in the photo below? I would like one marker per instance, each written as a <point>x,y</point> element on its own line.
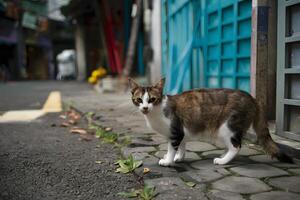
<point>93,127</point>
<point>99,132</point>
<point>147,193</point>
<point>130,194</point>
<point>110,138</point>
<point>128,165</point>
<point>89,114</point>
<point>124,141</point>
<point>89,117</point>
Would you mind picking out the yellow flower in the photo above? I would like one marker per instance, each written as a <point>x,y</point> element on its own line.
<point>92,80</point>
<point>95,73</point>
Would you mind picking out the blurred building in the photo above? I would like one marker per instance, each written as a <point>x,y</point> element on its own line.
<point>30,39</point>
<point>61,31</point>
<point>26,47</point>
<point>102,31</point>
<point>9,17</point>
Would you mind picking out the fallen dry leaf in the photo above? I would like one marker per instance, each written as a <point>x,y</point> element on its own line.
<point>86,137</point>
<point>146,170</point>
<point>98,161</point>
<point>63,116</point>
<point>65,124</point>
<point>73,122</point>
<point>74,115</point>
<point>190,184</point>
<point>77,117</point>
<point>108,129</point>
<point>78,131</point>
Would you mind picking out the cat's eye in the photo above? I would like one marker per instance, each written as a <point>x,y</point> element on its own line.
<point>152,99</point>
<point>139,100</point>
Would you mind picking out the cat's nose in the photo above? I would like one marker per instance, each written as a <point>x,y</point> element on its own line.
<point>145,108</point>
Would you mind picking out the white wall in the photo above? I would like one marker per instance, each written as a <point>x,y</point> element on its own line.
<point>155,65</point>
<point>80,53</point>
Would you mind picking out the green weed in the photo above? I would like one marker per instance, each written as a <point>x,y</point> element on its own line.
<point>147,193</point>
<point>128,165</point>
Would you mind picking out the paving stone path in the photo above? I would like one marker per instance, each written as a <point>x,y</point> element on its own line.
<point>252,175</point>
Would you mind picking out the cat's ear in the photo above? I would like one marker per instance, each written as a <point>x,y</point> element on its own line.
<point>132,84</point>
<point>160,84</point>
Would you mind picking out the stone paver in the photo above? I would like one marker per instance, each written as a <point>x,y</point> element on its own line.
<point>287,165</point>
<point>295,171</point>
<point>263,159</point>
<point>145,141</point>
<point>189,156</point>
<point>163,147</point>
<point>139,155</point>
<point>159,139</point>
<point>213,153</point>
<point>182,194</point>
<point>203,176</point>
<point>127,151</point>
<point>274,195</point>
<point>157,171</point>
<point>207,164</point>
<point>245,151</point>
<point>268,160</point>
<point>242,185</point>
<point>199,146</point>
<point>224,195</point>
<point>167,186</point>
<point>291,184</point>
<point>150,160</point>
<point>258,170</point>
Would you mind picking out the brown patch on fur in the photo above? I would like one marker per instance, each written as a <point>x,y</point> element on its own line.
<point>207,109</point>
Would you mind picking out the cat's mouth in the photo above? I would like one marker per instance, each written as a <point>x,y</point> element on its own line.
<point>145,112</point>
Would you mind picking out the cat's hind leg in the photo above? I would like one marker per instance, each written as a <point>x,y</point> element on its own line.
<point>226,136</point>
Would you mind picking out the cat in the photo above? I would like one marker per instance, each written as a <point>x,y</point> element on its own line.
<point>224,115</point>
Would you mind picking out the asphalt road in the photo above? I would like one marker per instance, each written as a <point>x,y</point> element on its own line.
<point>39,161</point>
<point>32,95</point>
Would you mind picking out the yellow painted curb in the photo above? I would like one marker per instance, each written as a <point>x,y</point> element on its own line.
<point>21,116</point>
<point>52,104</point>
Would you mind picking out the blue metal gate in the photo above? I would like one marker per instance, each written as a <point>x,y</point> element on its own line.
<point>206,43</point>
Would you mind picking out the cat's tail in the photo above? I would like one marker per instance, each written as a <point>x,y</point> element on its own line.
<point>264,138</point>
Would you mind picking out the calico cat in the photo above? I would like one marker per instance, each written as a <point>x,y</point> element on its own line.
<point>224,115</point>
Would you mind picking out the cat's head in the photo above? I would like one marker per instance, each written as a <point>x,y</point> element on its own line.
<point>146,98</point>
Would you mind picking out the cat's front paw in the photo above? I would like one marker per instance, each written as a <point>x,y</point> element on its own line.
<point>165,163</point>
<point>219,161</point>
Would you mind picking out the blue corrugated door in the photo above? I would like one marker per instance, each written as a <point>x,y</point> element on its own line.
<point>206,43</point>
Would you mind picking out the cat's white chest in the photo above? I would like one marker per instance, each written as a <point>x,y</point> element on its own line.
<point>158,122</point>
